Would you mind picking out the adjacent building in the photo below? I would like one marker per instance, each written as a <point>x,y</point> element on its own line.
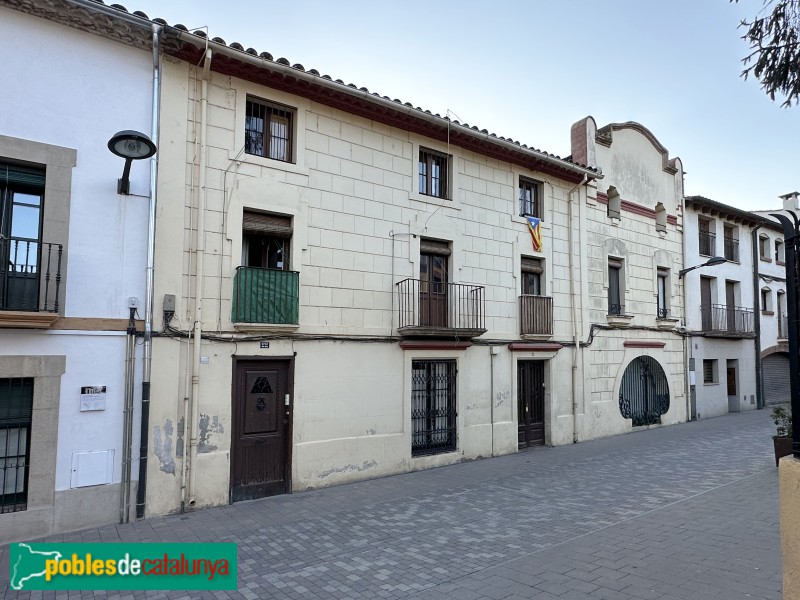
<point>72,259</point>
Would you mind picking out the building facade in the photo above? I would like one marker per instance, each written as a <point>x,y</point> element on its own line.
<point>630,248</point>
<point>771,274</point>
<point>722,325</point>
<point>72,253</point>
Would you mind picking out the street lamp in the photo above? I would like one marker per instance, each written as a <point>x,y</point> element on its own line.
<point>714,260</point>
<point>130,145</point>
<point>791,239</point>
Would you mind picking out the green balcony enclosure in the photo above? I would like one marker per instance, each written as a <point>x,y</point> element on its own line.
<point>265,296</point>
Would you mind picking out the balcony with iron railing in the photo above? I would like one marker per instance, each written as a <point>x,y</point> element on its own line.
<point>30,282</point>
<point>727,321</point>
<point>536,316</point>
<point>707,243</point>
<point>440,309</point>
<point>731,249</point>
<point>268,297</point>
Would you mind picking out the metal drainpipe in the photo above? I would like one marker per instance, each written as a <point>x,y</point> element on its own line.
<point>191,428</point>
<point>757,318</point>
<point>576,347</point>
<point>148,303</point>
<point>491,392</point>
<point>127,419</point>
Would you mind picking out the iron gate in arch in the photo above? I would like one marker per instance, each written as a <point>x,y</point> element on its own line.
<point>644,392</point>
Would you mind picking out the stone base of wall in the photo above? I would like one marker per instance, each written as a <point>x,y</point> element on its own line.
<point>789,478</point>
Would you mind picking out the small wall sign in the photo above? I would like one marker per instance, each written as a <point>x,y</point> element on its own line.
<point>93,397</point>
<point>264,345</point>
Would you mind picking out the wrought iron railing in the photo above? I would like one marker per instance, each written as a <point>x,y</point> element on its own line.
<point>727,319</point>
<point>434,305</point>
<point>707,242</point>
<point>616,309</point>
<point>30,275</point>
<point>662,313</point>
<point>536,315</point>
<point>731,249</point>
<point>263,295</point>
<point>783,327</point>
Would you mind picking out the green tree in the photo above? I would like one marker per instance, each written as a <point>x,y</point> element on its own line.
<point>775,49</point>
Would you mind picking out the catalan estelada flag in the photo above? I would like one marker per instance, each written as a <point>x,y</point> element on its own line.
<point>534,225</point>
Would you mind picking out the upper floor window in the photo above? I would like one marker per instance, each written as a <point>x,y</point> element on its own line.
<point>766,301</point>
<point>763,247</point>
<point>661,218</point>
<point>21,254</point>
<point>662,286</point>
<point>530,198</point>
<point>433,173</point>
<point>616,286</point>
<point>614,203</point>
<point>532,276</point>
<point>707,237</point>
<point>268,130</point>
<point>266,240</point>
<point>780,257</point>
<point>731,242</point>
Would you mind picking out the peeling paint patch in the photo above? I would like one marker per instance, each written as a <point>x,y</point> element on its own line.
<point>207,426</point>
<point>163,447</point>
<point>179,439</point>
<point>366,466</point>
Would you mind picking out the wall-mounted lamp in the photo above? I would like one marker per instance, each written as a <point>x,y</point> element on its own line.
<point>714,260</point>
<point>130,145</point>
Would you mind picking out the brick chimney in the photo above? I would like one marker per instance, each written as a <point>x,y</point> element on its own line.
<point>790,201</point>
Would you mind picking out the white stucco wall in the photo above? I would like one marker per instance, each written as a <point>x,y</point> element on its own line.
<point>75,90</point>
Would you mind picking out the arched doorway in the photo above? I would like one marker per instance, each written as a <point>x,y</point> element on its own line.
<point>644,392</point>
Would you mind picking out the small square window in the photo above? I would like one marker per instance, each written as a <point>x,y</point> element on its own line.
<point>433,173</point>
<point>269,130</point>
<point>530,198</point>
<point>710,371</point>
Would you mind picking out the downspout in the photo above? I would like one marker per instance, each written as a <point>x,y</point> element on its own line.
<point>147,347</point>
<point>757,317</point>
<point>576,343</point>
<point>191,426</point>
<point>127,419</point>
<point>491,391</point>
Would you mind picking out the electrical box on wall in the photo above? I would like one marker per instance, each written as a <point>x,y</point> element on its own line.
<point>93,397</point>
<point>92,468</point>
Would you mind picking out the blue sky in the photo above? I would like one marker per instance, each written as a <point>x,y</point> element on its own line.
<point>529,69</point>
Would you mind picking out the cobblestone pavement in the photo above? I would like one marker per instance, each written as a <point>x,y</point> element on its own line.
<point>688,511</point>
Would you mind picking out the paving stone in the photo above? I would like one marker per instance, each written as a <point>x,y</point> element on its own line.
<point>680,512</point>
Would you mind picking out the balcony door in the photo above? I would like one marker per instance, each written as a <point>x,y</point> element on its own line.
<point>730,305</point>
<point>433,280</point>
<point>21,201</point>
<point>705,303</point>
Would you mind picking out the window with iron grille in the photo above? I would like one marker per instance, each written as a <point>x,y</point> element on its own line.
<point>16,407</point>
<point>433,407</point>
<point>268,130</point>
<point>710,371</point>
<point>530,197</point>
<point>433,173</point>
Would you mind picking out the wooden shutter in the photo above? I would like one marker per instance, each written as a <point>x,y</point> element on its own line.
<point>436,247</point>
<point>264,224</point>
<point>532,265</point>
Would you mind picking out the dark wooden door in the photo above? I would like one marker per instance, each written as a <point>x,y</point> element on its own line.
<point>733,393</point>
<point>705,303</point>
<point>730,305</point>
<point>433,290</point>
<point>260,452</point>
<point>530,402</point>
